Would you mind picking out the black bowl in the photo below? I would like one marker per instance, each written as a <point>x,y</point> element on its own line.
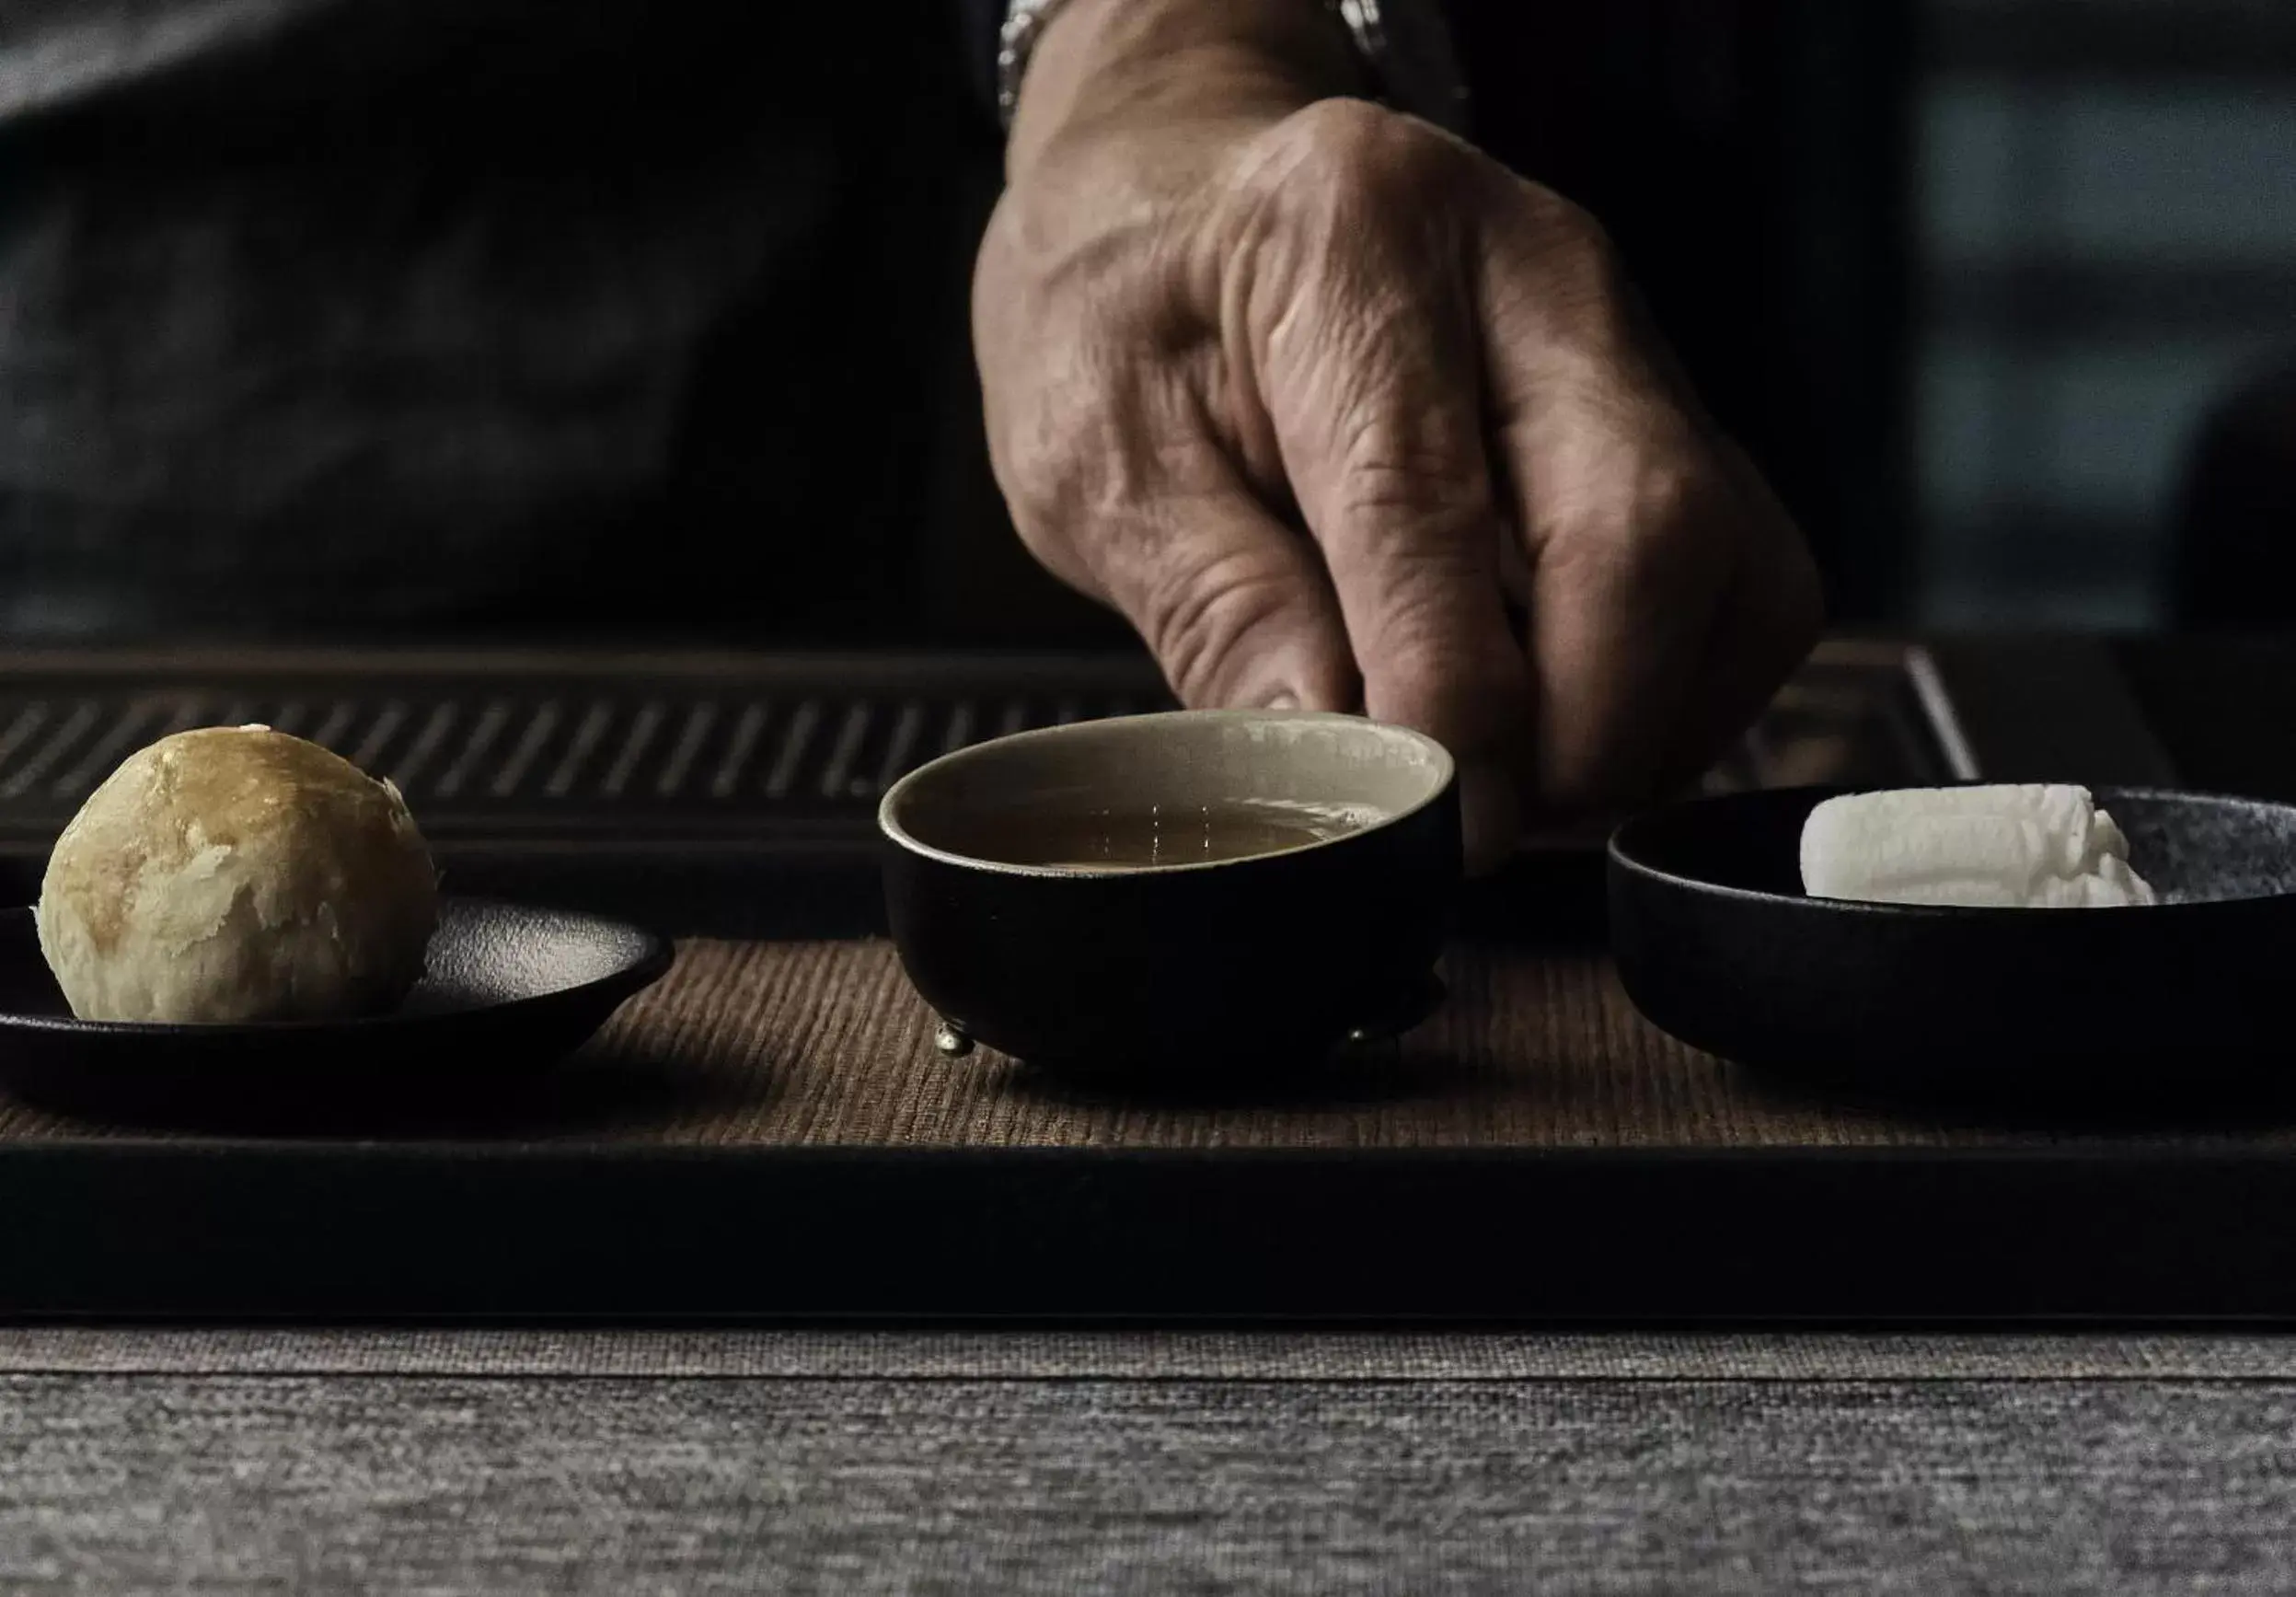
<point>1266,961</point>
<point>1717,945</point>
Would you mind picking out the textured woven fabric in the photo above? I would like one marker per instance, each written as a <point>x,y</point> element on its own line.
<point>129,1485</point>
<point>786,1044</point>
<point>1325,1356</point>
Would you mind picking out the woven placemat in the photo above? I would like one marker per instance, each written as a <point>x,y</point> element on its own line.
<point>824,1044</point>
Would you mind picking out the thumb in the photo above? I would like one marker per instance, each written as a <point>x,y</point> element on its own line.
<point>1234,604</point>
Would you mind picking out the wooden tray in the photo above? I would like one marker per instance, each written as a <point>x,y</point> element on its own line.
<point>769,1133</point>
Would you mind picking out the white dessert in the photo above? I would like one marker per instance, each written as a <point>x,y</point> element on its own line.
<point>237,873</point>
<point>2038,847</point>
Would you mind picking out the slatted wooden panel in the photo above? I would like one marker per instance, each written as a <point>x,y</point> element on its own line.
<point>776,741</point>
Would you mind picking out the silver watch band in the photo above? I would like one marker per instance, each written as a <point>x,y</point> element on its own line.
<point>1404,43</point>
<point>1407,46</point>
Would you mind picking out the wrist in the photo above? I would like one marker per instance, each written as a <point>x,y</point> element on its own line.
<point>1106,64</point>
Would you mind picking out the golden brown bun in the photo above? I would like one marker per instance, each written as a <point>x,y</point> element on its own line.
<point>237,873</point>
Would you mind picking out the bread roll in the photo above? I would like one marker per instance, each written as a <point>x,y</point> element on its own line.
<point>235,875</point>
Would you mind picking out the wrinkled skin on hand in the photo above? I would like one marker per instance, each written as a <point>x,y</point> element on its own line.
<point>1317,395</point>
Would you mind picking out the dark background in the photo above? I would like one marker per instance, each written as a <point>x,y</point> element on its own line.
<point>2003,293</point>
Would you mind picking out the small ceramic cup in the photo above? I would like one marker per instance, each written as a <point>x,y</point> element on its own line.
<point>1223,889</point>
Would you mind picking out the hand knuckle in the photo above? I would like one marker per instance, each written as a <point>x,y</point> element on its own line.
<point>1418,617</point>
<point>1651,543</point>
<point>1039,463</point>
<point>1352,146</point>
<point>1341,129</point>
<point>1579,270</point>
<point>1077,448</point>
<point>1674,504</point>
<point>1572,226</point>
<point>1414,488</point>
<point>1401,441</point>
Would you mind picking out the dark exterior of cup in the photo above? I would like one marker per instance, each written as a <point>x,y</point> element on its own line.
<point>1263,962</point>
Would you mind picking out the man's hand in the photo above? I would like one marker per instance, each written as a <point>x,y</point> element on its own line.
<point>1310,392</point>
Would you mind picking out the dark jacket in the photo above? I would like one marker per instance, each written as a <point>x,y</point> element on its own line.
<point>323,312</point>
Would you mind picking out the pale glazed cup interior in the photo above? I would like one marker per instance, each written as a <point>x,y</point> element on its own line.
<point>1290,779</point>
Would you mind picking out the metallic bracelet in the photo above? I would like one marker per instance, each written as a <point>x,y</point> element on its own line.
<point>1404,44</point>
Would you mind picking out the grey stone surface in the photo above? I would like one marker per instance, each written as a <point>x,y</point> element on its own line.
<point>172,1483</point>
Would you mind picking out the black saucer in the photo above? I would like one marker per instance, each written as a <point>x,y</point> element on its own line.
<point>2189,997</point>
<point>510,991</point>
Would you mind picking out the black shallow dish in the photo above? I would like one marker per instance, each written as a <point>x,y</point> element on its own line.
<point>1716,944</point>
<point>509,991</point>
<point>1262,964</point>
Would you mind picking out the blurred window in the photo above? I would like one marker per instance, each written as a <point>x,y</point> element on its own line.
<point>2105,195</point>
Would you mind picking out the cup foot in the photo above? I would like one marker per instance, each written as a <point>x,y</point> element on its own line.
<point>1410,1013</point>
